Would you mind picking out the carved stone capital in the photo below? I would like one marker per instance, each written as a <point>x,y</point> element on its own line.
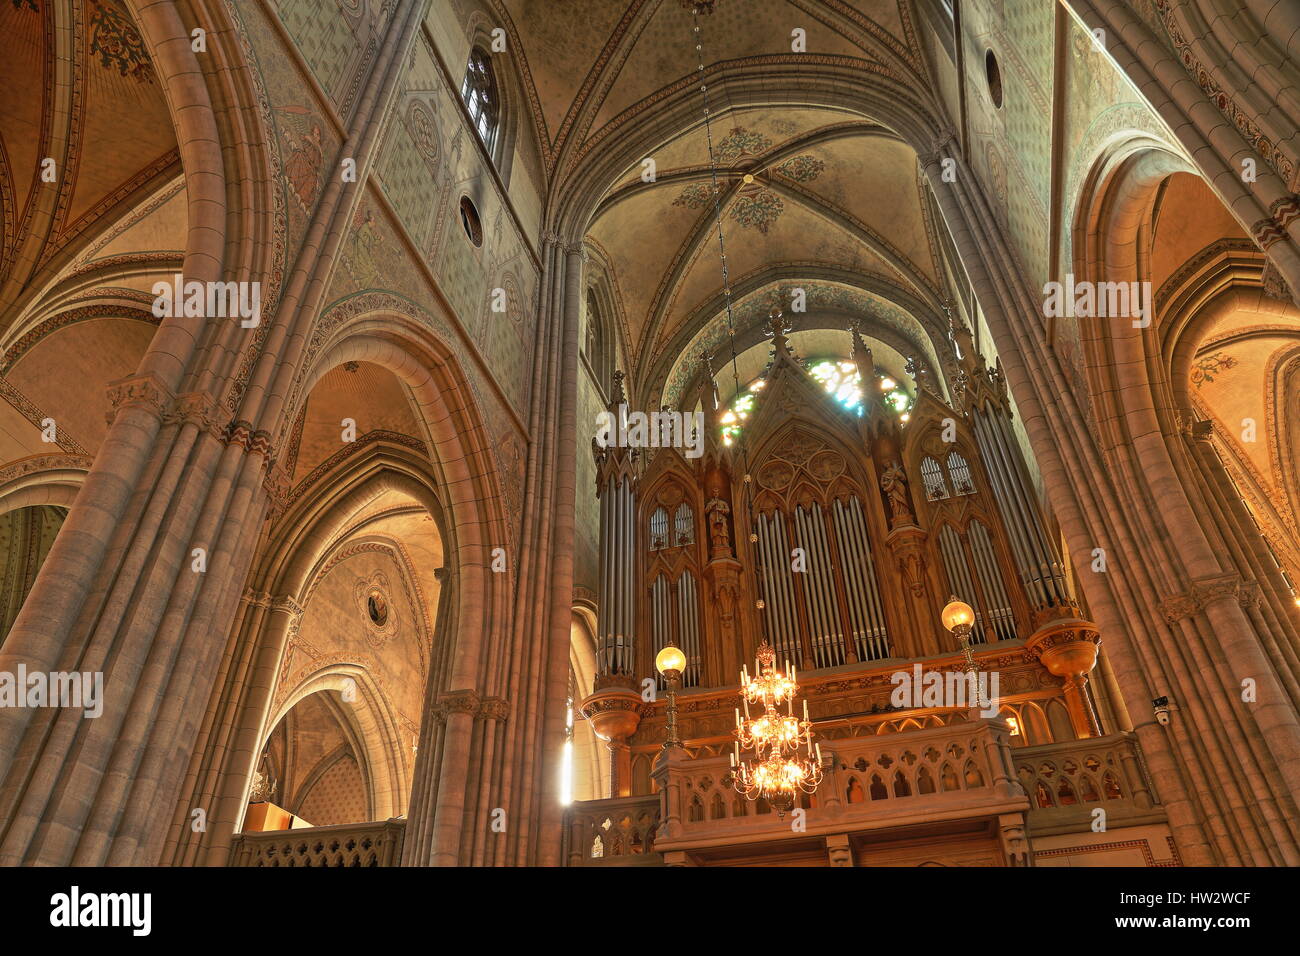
<point>1178,606</point>
<point>139,391</point>
<point>938,146</point>
<point>1208,590</point>
<point>287,604</point>
<point>200,410</point>
<point>256,598</point>
<point>458,702</point>
<point>494,708</point>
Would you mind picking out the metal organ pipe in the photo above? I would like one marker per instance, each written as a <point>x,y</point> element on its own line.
<point>1053,569</point>
<point>812,589</point>
<point>855,584</point>
<point>859,582</point>
<point>602,593</point>
<point>1043,565</point>
<point>826,574</point>
<point>1041,553</point>
<point>1012,511</point>
<point>986,565</point>
<point>880,634</point>
<point>688,611</point>
<point>959,576</point>
<point>629,580</point>
<point>781,619</point>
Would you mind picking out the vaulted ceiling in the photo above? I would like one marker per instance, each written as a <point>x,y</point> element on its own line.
<point>812,198</point>
<point>93,210</point>
<point>591,64</point>
<point>85,132</point>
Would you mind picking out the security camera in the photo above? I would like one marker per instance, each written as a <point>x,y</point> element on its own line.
<point>1162,710</point>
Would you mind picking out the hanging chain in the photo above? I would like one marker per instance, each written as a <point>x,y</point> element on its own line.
<point>722,244</point>
<point>726,277</point>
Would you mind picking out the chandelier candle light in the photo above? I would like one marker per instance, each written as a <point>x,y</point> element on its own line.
<point>778,772</point>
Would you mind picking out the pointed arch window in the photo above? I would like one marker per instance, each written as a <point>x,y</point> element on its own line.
<point>594,347</point>
<point>482,97</point>
<point>841,380</point>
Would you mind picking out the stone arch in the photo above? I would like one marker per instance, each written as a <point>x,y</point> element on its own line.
<point>388,782</point>
<point>460,458</point>
<point>277,591</point>
<point>42,480</point>
<point>513,105</point>
<point>634,134</point>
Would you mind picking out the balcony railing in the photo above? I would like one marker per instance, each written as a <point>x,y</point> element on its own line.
<point>963,770</point>
<point>347,844</point>
<point>617,832</point>
<point>872,782</point>
<point>1067,781</point>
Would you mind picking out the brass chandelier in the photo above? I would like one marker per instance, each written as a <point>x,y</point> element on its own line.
<point>778,772</point>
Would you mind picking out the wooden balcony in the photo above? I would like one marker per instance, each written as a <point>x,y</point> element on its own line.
<point>617,832</point>
<point>959,782</point>
<point>936,775</point>
<point>959,777</point>
<point>1066,782</point>
<point>346,844</point>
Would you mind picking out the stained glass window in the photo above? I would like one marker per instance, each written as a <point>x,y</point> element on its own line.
<point>840,378</point>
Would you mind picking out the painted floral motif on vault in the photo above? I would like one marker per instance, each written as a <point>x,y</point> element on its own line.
<point>802,169</point>
<point>695,196</point>
<point>756,205</point>
<point>758,208</point>
<point>741,142</point>
<point>1207,367</point>
<point>117,43</point>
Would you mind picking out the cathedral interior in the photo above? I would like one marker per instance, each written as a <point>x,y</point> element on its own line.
<point>603,433</point>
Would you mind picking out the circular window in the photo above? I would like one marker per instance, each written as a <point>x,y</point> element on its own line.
<point>470,222</point>
<point>993,73</point>
<point>377,607</point>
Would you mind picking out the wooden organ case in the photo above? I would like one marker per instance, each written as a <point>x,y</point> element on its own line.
<point>841,547</point>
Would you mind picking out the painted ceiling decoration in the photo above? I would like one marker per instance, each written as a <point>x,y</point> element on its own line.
<point>116,42</point>
<point>756,205</point>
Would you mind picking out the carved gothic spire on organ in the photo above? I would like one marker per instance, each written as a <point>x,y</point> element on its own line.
<point>612,459</point>
<point>975,383</point>
<point>777,327</point>
<point>876,416</point>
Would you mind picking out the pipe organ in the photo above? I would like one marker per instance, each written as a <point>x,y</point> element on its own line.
<point>837,536</point>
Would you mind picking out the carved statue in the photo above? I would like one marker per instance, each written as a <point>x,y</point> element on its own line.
<point>719,536</point>
<point>894,484</point>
